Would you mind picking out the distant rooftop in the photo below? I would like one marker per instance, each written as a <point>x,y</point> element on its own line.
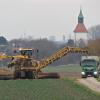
<point>80,28</point>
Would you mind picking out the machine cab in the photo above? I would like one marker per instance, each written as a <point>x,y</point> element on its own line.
<point>24,52</point>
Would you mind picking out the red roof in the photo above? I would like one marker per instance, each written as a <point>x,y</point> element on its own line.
<point>80,28</point>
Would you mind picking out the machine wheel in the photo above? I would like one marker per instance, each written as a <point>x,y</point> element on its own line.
<point>17,75</point>
<point>22,74</point>
<point>29,75</point>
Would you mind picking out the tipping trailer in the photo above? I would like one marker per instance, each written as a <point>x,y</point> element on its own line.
<point>90,66</point>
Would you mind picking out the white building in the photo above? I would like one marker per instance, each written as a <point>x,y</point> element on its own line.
<point>80,32</point>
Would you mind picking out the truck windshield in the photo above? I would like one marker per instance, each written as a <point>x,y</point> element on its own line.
<point>88,62</point>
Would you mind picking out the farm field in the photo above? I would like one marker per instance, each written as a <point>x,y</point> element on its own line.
<point>61,71</point>
<point>64,71</point>
<point>48,89</point>
<point>63,68</point>
<point>45,89</point>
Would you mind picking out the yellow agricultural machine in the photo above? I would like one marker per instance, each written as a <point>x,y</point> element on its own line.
<point>25,66</point>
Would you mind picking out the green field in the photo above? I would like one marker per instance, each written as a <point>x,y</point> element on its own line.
<point>46,89</point>
<point>98,79</point>
<point>63,68</point>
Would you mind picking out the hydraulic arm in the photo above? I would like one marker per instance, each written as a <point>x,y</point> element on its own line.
<point>58,55</point>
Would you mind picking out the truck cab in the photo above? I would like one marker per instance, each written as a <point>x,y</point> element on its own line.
<point>90,66</point>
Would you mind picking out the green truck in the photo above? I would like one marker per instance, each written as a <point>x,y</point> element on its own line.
<point>90,66</point>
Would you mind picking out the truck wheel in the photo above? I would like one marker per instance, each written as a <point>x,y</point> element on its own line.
<point>96,76</point>
<point>84,76</point>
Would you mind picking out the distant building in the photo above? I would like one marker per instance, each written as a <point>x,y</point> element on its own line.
<point>52,38</point>
<point>80,31</point>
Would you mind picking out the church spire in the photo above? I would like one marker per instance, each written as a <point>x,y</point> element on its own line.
<point>80,17</point>
<point>80,28</point>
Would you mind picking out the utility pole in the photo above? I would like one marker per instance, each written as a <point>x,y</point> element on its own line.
<point>75,40</point>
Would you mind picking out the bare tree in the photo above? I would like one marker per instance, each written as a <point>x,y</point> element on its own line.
<point>94,32</point>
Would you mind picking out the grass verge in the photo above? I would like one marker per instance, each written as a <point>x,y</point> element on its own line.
<point>98,79</point>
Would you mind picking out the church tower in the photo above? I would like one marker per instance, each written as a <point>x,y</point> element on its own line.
<point>81,33</point>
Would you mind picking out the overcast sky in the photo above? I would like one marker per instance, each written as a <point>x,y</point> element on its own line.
<point>42,18</point>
